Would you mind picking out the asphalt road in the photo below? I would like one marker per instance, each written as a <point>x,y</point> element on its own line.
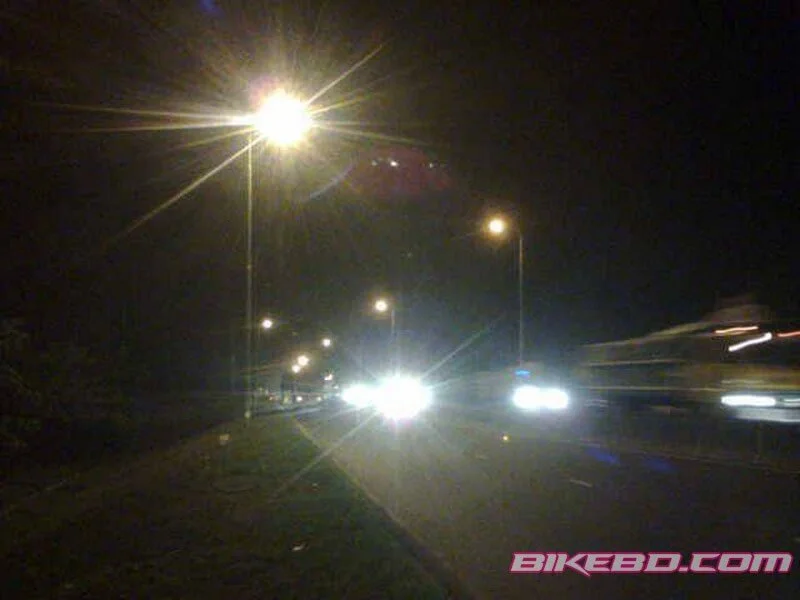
<point>571,484</point>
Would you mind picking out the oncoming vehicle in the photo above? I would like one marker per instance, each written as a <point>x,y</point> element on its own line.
<point>500,385</point>
<point>488,386</point>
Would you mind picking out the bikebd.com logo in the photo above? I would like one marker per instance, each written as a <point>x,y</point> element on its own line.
<point>589,563</point>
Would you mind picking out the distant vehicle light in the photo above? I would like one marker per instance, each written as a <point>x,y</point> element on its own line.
<point>531,397</point>
<point>359,395</point>
<point>402,397</point>
<point>751,400</point>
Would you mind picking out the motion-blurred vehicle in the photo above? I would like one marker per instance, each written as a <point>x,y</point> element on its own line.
<point>705,364</point>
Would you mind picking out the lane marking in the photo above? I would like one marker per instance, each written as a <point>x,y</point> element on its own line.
<point>763,467</point>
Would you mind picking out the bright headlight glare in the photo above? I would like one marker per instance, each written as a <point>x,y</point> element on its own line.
<point>531,397</point>
<point>402,397</point>
<point>359,395</point>
<point>525,397</point>
<point>748,400</point>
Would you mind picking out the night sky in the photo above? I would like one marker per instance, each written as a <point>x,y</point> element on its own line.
<point>648,150</point>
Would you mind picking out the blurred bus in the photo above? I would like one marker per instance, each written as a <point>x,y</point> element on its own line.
<point>701,364</point>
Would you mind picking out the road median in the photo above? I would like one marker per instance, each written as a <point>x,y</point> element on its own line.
<point>247,510</point>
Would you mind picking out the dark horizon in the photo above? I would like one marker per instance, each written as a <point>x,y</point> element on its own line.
<point>648,152</point>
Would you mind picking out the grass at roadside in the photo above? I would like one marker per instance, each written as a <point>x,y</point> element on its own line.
<point>221,521</point>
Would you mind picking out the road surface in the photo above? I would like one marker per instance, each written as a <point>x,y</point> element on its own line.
<point>474,487</point>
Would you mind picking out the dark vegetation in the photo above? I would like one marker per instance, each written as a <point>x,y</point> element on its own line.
<point>58,399</point>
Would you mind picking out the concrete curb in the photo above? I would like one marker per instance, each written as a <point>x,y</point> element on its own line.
<point>434,565</point>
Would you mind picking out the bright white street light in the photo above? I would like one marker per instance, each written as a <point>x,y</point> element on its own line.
<point>326,342</point>
<point>296,368</point>
<point>303,360</point>
<point>283,119</point>
<point>381,305</point>
<point>267,324</point>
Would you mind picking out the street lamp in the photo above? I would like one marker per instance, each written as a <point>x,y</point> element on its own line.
<point>382,306</point>
<point>267,324</point>
<point>296,369</point>
<point>303,360</point>
<point>497,227</point>
<point>326,342</point>
<point>281,121</point>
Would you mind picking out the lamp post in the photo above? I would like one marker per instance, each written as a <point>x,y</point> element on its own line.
<point>248,319</point>
<point>282,121</point>
<point>384,306</point>
<point>497,227</point>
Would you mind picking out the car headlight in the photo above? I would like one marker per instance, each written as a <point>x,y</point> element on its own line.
<point>359,395</point>
<point>531,397</point>
<point>402,397</point>
<point>752,400</point>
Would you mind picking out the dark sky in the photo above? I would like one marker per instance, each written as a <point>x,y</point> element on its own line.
<point>648,149</point>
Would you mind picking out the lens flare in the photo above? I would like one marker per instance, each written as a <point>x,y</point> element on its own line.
<point>402,397</point>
